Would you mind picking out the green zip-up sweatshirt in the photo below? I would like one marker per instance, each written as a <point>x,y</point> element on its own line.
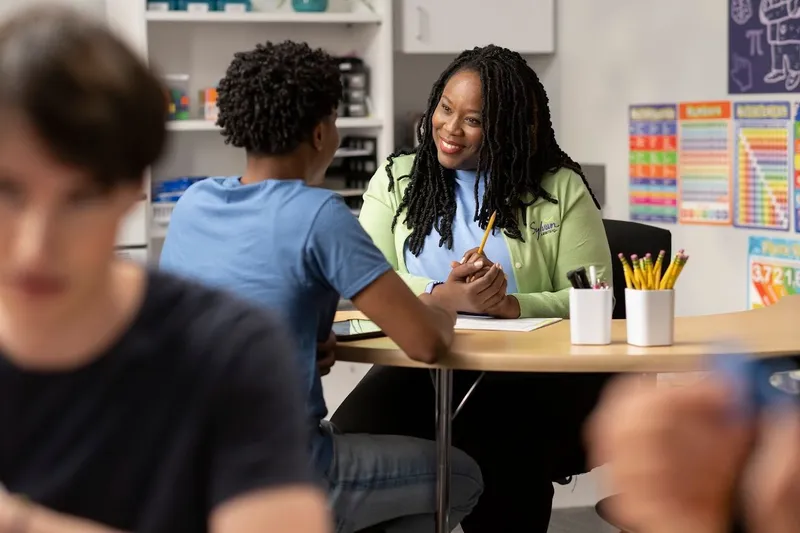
<point>558,238</point>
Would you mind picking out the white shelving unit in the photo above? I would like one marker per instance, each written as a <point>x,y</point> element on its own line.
<point>201,45</point>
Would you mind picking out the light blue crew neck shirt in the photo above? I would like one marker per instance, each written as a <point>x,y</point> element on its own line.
<point>434,261</point>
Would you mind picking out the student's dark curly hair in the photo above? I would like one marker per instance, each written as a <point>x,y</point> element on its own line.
<point>518,149</point>
<point>273,97</point>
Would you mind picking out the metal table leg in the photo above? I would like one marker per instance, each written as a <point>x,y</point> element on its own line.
<point>444,420</point>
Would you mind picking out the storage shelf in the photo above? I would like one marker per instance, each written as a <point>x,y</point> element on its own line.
<point>209,125</point>
<point>281,17</point>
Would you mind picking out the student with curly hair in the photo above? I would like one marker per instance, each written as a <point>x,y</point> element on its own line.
<point>276,240</point>
<point>488,146</point>
<point>130,400</point>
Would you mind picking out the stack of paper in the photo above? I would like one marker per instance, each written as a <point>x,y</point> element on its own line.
<point>501,324</point>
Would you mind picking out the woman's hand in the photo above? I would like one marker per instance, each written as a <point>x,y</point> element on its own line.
<point>508,306</point>
<point>479,296</point>
<point>472,256</point>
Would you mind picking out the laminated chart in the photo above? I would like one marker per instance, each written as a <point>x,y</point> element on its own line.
<point>704,170</point>
<point>653,162</point>
<point>797,167</point>
<point>762,165</point>
<point>773,270</point>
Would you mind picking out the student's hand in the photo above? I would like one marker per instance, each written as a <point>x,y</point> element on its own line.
<point>476,297</point>
<point>673,456</point>
<point>771,484</point>
<point>326,355</point>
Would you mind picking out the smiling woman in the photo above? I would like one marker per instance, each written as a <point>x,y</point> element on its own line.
<point>487,145</point>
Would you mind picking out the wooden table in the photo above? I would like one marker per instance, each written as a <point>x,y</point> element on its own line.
<point>768,332</point>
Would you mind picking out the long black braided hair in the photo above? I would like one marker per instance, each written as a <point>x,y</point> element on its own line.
<point>519,147</point>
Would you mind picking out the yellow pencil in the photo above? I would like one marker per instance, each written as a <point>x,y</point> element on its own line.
<point>637,273</point>
<point>648,265</point>
<point>670,270</point>
<point>485,239</point>
<point>626,269</point>
<point>678,270</point>
<point>487,232</point>
<point>657,269</point>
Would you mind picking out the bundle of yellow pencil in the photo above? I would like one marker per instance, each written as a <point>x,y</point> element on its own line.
<point>644,274</point>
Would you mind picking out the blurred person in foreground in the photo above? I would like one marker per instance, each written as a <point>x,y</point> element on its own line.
<point>130,400</point>
<point>686,460</point>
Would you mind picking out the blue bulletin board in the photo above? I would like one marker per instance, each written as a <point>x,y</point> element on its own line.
<point>763,46</point>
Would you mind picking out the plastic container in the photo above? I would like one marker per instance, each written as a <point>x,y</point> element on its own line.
<point>310,6</point>
<point>650,317</point>
<point>195,6</point>
<point>208,104</point>
<point>590,312</point>
<point>234,6</point>
<point>267,6</point>
<point>178,96</point>
<point>162,5</point>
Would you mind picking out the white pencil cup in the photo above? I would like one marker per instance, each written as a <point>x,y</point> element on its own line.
<point>650,317</point>
<point>590,315</point>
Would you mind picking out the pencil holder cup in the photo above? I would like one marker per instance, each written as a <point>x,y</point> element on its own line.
<point>650,317</point>
<point>590,316</point>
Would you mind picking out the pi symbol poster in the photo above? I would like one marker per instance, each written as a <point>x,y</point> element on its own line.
<point>762,165</point>
<point>773,270</point>
<point>763,46</point>
<point>653,163</point>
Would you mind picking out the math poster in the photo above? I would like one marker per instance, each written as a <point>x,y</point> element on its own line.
<point>763,46</point>
<point>762,165</point>
<point>774,270</point>
<point>653,163</point>
<point>704,163</point>
<point>797,167</point>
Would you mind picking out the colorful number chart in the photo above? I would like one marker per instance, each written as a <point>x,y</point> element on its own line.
<point>704,170</point>
<point>762,165</point>
<point>797,167</point>
<point>653,163</point>
<point>774,270</point>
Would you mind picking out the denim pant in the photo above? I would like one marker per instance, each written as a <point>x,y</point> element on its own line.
<point>391,480</point>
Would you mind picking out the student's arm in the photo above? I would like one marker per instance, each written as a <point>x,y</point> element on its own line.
<point>17,515</point>
<point>582,242</point>
<point>348,260</point>
<point>261,475</point>
<point>376,217</point>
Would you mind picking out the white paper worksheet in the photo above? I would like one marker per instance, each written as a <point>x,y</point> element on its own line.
<point>502,324</point>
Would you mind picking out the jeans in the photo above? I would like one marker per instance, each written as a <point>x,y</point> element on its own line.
<point>391,480</point>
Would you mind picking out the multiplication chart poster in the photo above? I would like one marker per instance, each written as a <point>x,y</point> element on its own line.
<point>797,167</point>
<point>762,165</point>
<point>774,270</point>
<point>653,165</point>
<point>704,170</point>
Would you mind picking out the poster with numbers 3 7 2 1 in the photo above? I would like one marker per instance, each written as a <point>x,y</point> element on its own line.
<point>773,270</point>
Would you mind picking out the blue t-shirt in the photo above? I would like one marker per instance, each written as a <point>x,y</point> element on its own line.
<point>434,261</point>
<point>284,246</point>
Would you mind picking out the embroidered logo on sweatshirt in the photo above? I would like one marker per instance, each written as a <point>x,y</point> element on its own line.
<point>544,228</point>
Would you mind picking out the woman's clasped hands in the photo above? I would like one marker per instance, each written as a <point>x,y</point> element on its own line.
<point>477,285</point>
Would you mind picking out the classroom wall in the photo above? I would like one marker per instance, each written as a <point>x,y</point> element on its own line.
<point>414,75</point>
<point>613,53</point>
<point>94,6</point>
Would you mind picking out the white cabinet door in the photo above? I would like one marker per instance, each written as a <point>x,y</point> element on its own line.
<point>133,231</point>
<point>450,26</point>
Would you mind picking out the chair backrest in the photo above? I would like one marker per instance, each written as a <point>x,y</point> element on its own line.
<point>632,238</point>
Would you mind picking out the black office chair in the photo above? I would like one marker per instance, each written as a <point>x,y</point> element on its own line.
<point>633,238</point>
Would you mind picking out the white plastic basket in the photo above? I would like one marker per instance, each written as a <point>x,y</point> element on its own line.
<point>162,212</point>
